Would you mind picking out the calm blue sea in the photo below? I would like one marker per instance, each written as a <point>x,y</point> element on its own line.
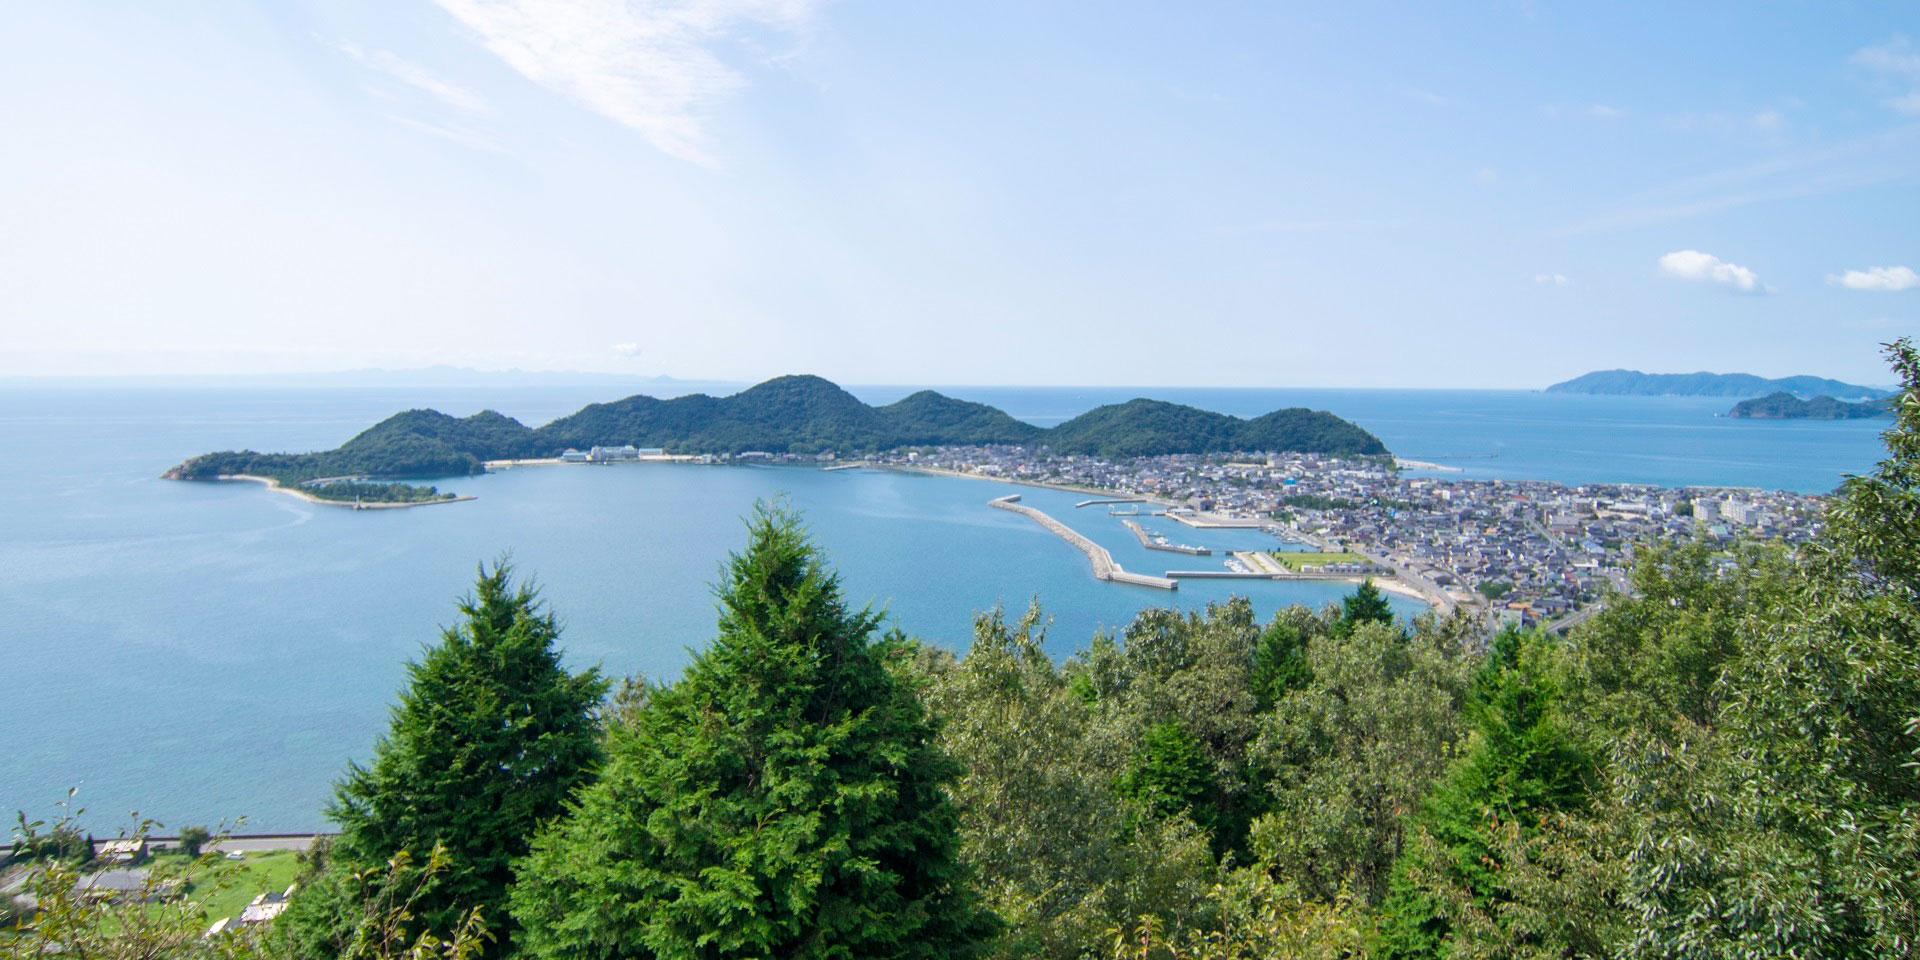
<point>206,651</point>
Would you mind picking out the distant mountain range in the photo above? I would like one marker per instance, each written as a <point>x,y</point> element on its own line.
<point>1703,384</point>
<point>1786,406</point>
<point>796,414</point>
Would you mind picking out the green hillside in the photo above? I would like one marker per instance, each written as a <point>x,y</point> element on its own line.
<point>795,414</point>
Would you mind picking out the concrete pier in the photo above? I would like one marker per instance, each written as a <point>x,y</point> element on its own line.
<point>1220,575</point>
<point>1104,567</point>
<point>1103,501</point>
<point>1151,544</point>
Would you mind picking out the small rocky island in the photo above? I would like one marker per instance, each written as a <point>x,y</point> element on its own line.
<point>1786,406</point>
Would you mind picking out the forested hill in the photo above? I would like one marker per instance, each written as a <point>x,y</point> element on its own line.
<point>795,414</point>
<point>1786,406</point>
<point>1704,384</point>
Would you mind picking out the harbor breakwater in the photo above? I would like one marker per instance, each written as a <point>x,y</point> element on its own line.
<point>1104,566</point>
<point>1151,544</point>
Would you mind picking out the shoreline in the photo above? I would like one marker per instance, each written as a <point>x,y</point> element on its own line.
<point>1426,465</point>
<point>275,486</point>
<point>1389,583</point>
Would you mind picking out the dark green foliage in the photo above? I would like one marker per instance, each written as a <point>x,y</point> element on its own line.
<point>1786,406</point>
<point>1521,765</point>
<point>1140,428</point>
<point>490,737</point>
<point>1366,604</point>
<point>416,443</point>
<point>357,491</point>
<point>927,417</point>
<point>782,800</point>
<point>1280,661</point>
<point>1171,776</point>
<point>797,414</point>
<point>192,839</point>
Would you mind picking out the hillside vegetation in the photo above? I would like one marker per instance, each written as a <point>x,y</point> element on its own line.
<point>1724,762</point>
<point>1704,384</point>
<point>1786,406</point>
<point>798,414</point>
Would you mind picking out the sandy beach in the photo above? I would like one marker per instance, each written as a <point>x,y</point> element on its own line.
<point>275,485</point>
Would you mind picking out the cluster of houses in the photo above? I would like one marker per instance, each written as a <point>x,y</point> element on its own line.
<point>626,452</point>
<point>1532,550</point>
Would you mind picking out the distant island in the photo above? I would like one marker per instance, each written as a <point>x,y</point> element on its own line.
<point>1785,406</point>
<point>803,415</point>
<point>1703,384</point>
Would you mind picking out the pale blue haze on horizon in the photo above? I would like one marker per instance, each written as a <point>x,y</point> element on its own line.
<point>1465,195</point>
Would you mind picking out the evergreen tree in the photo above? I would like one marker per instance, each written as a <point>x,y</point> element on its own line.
<point>1521,765</point>
<point>781,800</point>
<point>1171,775</point>
<point>1366,605</point>
<point>490,737</point>
<point>1279,662</point>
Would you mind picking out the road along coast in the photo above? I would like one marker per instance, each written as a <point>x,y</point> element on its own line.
<point>1104,567</point>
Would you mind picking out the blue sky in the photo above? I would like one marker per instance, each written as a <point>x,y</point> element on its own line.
<point>1259,194</point>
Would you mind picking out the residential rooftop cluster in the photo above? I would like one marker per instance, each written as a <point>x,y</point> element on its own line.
<point>1529,551</point>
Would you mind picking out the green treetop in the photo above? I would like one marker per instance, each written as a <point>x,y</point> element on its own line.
<point>1366,605</point>
<point>1520,765</point>
<point>490,736</point>
<point>781,800</point>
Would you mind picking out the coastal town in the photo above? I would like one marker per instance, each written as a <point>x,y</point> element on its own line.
<point>1517,551</point>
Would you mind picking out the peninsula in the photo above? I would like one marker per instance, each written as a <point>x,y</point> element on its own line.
<point>1703,384</point>
<point>1786,406</point>
<point>801,415</point>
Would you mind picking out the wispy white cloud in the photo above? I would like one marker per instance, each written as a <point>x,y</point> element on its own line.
<point>1887,279</point>
<point>1553,279</point>
<point>416,76</point>
<point>627,349</point>
<point>1866,161</point>
<point>647,64</point>
<point>1430,97</point>
<point>1894,65</point>
<point>1606,111</point>
<point>1707,268</point>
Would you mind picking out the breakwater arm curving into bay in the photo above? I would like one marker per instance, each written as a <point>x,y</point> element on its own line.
<point>1161,544</point>
<point>1104,567</point>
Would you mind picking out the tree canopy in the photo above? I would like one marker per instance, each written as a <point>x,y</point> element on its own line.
<point>784,798</point>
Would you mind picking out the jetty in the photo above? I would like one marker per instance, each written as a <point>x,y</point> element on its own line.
<point>1152,543</point>
<point>1220,575</point>
<point>1104,567</point>
<point>1104,501</point>
<point>1209,521</point>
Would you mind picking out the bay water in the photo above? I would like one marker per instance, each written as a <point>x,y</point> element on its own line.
<point>201,651</point>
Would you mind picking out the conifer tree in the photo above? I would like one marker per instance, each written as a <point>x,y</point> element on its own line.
<point>1279,662</point>
<point>490,736</point>
<point>1365,605</point>
<point>782,800</point>
<point>1521,764</point>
